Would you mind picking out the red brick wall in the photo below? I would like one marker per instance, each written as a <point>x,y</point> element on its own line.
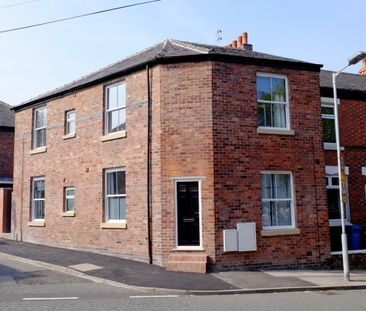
<point>6,153</point>
<point>353,139</point>
<point>240,154</point>
<point>80,162</point>
<point>204,125</point>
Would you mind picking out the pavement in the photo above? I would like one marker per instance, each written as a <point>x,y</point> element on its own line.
<point>137,275</point>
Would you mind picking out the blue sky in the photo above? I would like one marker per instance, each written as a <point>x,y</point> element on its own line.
<point>37,60</point>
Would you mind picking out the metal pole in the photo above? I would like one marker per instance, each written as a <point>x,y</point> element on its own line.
<point>344,234</point>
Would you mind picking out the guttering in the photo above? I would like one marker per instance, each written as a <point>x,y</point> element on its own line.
<point>149,160</point>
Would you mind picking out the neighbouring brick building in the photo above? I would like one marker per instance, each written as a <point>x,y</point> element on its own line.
<point>6,164</point>
<point>352,110</point>
<point>181,154</point>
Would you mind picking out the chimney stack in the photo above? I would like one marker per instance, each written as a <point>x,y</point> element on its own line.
<point>241,43</point>
<point>362,70</point>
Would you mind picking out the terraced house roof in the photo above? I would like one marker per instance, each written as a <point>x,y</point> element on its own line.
<point>6,115</point>
<point>171,51</point>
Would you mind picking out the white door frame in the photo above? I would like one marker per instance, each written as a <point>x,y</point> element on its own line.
<point>188,179</point>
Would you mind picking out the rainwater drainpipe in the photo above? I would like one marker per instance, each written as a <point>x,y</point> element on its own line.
<point>149,160</point>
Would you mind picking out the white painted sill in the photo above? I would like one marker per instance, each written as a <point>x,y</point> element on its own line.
<point>279,232</point>
<point>38,150</point>
<point>271,131</point>
<point>113,225</point>
<point>36,223</point>
<point>112,136</point>
<point>68,214</point>
<point>189,248</point>
<point>68,136</point>
<point>331,146</point>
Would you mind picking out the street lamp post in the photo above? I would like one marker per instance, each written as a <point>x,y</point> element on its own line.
<point>341,174</point>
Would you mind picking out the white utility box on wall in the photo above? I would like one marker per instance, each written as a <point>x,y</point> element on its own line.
<point>230,240</point>
<point>247,237</point>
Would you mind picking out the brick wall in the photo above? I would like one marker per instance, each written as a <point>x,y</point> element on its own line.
<point>353,139</point>
<point>6,152</point>
<point>80,162</point>
<point>204,125</point>
<point>240,154</point>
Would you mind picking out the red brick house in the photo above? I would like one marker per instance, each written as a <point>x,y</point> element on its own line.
<point>179,155</point>
<point>6,165</point>
<point>352,110</point>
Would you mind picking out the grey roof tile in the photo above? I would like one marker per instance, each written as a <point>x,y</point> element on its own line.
<point>6,115</point>
<point>166,50</point>
<point>345,81</point>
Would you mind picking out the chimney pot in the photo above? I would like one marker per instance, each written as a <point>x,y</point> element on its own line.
<point>235,44</point>
<point>245,37</point>
<point>240,41</point>
<point>362,70</point>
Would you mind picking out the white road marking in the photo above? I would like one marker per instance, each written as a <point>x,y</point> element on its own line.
<point>155,296</point>
<point>50,298</point>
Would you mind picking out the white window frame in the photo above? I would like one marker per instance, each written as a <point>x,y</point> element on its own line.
<point>37,129</point>
<point>332,171</point>
<point>69,120</point>
<point>286,103</point>
<point>328,102</point>
<point>106,196</point>
<point>292,200</point>
<point>115,109</point>
<point>199,181</point>
<point>69,197</point>
<point>34,179</point>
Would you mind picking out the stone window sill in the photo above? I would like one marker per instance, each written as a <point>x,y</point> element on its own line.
<point>68,136</point>
<point>331,146</point>
<point>262,130</point>
<point>113,225</point>
<point>36,223</point>
<point>112,136</point>
<point>278,232</point>
<point>38,150</point>
<point>68,214</point>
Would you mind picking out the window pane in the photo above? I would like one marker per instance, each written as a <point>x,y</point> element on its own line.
<point>71,115</point>
<point>327,110</point>
<point>335,181</point>
<point>261,115</point>
<point>38,192</point>
<point>266,186</point>
<point>122,119</point>
<point>40,118</point>
<point>38,212</point>
<point>122,95</point>
<point>278,90</point>
<point>122,208</point>
<point>121,182</point>
<point>283,187</point>
<point>333,204</point>
<point>113,208</point>
<point>329,130</point>
<point>113,122</point>
<point>263,88</point>
<point>283,213</point>
<point>278,115</point>
<point>69,205</point>
<point>268,115</point>
<point>69,192</point>
<point>266,214</point>
<point>111,183</point>
<point>70,127</point>
<point>40,138</point>
<point>112,101</point>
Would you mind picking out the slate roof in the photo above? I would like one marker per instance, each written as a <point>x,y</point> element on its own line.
<point>345,81</point>
<point>172,51</point>
<point>6,115</point>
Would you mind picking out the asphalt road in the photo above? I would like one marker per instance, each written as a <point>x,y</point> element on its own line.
<point>29,287</point>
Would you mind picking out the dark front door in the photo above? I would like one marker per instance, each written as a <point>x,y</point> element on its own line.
<point>188,220</point>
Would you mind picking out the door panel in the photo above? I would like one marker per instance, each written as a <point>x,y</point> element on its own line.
<point>188,220</point>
